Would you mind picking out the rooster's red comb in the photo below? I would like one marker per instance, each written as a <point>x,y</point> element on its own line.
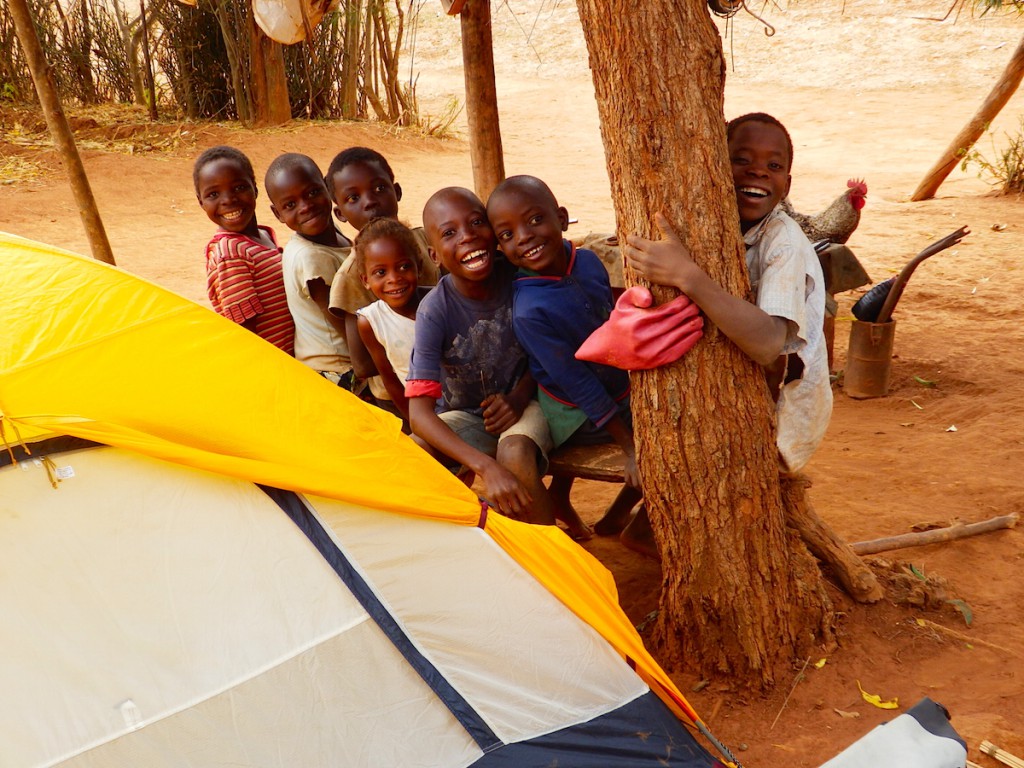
<point>859,186</point>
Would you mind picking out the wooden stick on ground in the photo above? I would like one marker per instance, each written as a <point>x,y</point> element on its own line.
<point>966,638</point>
<point>1001,755</point>
<point>953,532</point>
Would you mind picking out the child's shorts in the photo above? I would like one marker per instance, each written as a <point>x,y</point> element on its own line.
<point>532,424</point>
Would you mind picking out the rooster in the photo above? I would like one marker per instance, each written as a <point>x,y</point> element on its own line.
<point>837,222</point>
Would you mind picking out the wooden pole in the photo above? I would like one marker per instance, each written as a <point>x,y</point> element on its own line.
<point>150,83</point>
<point>1007,85</point>
<point>481,98</point>
<point>60,131</point>
<point>921,538</point>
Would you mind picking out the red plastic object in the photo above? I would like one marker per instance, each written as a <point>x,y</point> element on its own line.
<point>637,337</point>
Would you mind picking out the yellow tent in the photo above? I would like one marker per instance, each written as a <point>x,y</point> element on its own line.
<point>93,352</point>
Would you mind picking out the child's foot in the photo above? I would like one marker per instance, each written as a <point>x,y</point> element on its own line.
<point>639,536</point>
<point>575,527</point>
<point>616,517</point>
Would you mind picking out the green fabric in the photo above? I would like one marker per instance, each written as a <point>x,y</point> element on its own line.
<point>563,419</point>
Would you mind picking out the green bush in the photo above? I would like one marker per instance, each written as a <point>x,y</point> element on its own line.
<point>1006,168</point>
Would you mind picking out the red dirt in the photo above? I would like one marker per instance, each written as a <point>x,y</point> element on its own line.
<point>869,92</point>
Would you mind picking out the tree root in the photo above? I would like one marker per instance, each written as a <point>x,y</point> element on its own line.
<point>853,574</point>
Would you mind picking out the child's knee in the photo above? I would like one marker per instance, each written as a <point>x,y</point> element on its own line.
<point>518,454</point>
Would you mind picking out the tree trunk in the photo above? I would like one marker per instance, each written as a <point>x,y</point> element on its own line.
<point>53,111</point>
<point>243,106</point>
<point>350,60</point>
<point>150,82</point>
<point>83,60</point>
<point>270,105</point>
<point>1004,89</point>
<point>740,594</point>
<point>134,72</point>
<point>481,97</point>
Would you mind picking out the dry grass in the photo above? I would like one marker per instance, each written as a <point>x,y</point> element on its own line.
<point>15,169</point>
<point>108,128</point>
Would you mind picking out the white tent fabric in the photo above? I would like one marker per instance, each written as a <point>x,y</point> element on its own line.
<point>496,634</point>
<point>190,606</point>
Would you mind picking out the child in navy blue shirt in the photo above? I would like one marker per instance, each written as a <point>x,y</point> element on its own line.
<point>466,354</point>
<point>562,294</point>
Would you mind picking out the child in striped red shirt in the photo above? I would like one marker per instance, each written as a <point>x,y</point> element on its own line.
<point>243,261</point>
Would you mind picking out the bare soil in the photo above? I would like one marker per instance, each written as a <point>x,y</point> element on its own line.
<point>867,89</point>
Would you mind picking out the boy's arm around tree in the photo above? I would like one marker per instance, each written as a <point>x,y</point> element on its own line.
<point>667,262</point>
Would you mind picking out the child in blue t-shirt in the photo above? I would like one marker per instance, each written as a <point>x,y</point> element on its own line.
<point>467,355</point>
<point>562,294</point>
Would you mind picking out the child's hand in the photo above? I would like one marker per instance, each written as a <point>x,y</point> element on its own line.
<point>630,473</point>
<point>664,262</point>
<point>499,413</point>
<point>505,493</point>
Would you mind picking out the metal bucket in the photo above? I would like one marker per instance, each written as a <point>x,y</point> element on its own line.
<point>869,359</point>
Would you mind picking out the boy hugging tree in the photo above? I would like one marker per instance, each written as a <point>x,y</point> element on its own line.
<point>467,355</point>
<point>782,330</point>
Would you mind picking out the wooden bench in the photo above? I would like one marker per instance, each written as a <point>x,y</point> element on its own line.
<point>591,462</point>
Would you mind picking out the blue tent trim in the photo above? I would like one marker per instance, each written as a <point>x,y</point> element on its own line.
<point>468,717</point>
<point>934,718</point>
<point>612,740</point>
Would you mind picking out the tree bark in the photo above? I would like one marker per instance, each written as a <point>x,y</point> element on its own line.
<point>243,105</point>
<point>741,595</point>
<point>60,131</point>
<point>83,60</point>
<point>270,104</point>
<point>150,83</point>
<point>481,98</point>
<point>1004,89</point>
<point>350,60</point>
<point>851,572</point>
<point>124,27</point>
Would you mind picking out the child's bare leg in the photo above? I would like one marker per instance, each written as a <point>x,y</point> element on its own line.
<point>639,536</point>
<point>616,517</point>
<point>518,454</point>
<point>560,489</point>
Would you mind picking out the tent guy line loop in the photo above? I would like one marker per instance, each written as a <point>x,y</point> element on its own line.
<point>18,439</point>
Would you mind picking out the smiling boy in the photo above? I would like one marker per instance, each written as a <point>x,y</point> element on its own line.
<point>782,330</point>
<point>363,187</point>
<point>243,261</point>
<point>467,354</point>
<point>562,295</point>
<point>315,253</point>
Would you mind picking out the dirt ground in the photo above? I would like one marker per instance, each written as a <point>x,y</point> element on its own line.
<point>868,89</point>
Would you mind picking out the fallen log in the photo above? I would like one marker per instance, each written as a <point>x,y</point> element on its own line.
<point>953,532</point>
